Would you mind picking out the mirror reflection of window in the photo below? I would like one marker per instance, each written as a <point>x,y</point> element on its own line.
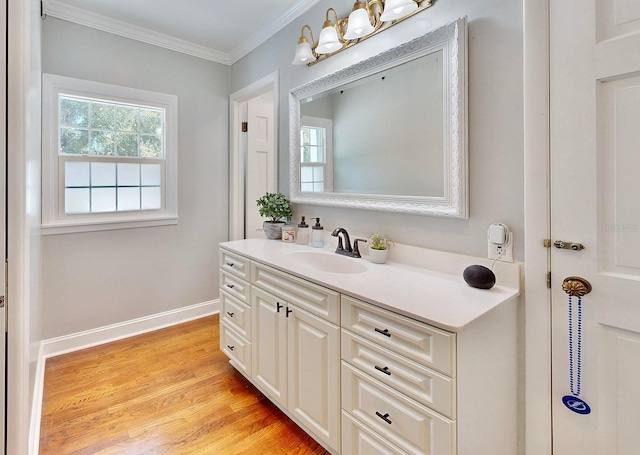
<point>316,154</point>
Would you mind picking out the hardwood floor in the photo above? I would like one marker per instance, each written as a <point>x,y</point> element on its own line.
<point>171,391</point>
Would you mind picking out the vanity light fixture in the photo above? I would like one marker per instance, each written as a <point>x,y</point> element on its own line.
<point>367,18</point>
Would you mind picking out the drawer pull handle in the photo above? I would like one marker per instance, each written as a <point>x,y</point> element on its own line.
<point>278,307</point>
<point>384,417</point>
<point>230,314</point>
<point>385,332</point>
<point>230,286</point>
<point>289,310</point>
<point>385,370</point>
<point>230,264</point>
<point>231,348</point>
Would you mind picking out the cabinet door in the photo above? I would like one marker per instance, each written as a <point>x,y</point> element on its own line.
<point>269,353</point>
<point>314,374</point>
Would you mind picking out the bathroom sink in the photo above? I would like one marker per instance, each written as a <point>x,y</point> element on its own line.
<point>327,262</point>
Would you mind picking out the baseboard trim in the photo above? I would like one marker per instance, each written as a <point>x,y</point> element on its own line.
<point>102,335</point>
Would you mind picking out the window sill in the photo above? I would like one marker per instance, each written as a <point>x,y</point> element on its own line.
<point>106,225</point>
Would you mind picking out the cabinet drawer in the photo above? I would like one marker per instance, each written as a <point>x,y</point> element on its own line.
<point>420,342</point>
<point>404,422</point>
<point>357,439</point>
<point>236,348</point>
<point>315,299</point>
<point>235,264</point>
<point>235,314</point>
<point>416,381</point>
<point>236,287</point>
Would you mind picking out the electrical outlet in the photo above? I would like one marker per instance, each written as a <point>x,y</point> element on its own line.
<point>502,252</point>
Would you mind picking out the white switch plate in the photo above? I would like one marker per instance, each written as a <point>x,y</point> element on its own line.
<point>494,250</point>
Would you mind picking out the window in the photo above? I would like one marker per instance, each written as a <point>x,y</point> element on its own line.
<point>316,154</point>
<point>109,156</point>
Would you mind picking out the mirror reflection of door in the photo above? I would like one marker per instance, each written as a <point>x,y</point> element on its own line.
<point>260,158</point>
<point>595,163</point>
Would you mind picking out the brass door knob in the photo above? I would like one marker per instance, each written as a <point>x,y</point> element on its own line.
<point>576,286</point>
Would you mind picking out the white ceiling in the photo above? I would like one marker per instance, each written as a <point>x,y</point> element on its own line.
<point>219,30</point>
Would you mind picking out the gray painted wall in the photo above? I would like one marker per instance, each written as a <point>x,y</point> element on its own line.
<point>99,278</point>
<point>495,119</point>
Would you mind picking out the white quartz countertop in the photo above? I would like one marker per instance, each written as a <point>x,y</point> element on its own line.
<point>426,285</point>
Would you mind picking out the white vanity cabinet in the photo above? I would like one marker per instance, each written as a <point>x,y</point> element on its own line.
<point>296,350</point>
<point>428,366</point>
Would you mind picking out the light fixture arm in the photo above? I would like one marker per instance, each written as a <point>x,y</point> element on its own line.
<point>303,38</point>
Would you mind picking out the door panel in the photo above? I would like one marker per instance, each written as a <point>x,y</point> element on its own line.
<point>595,164</point>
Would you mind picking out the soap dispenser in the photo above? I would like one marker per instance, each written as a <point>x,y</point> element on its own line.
<point>303,233</point>
<point>317,234</point>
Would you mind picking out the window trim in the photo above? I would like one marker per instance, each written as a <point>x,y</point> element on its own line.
<point>54,220</point>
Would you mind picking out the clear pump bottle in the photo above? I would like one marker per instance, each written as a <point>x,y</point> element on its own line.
<point>317,234</point>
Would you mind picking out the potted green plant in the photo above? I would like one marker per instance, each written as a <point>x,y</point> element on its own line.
<point>278,208</point>
<point>378,248</point>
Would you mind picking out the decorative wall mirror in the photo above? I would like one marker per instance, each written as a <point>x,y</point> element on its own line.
<point>388,133</point>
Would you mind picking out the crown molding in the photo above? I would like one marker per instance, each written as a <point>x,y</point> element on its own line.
<point>83,17</point>
<point>262,35</point>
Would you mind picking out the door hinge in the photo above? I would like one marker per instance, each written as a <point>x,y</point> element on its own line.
<point>548,280</point>
<point>245,127</point>
<point>546,243</point>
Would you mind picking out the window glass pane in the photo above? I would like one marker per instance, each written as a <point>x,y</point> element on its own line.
<point>128,174</point>
<point>126,144</point>
<point>126,118</point>
<point>150,121</point>
<point>74,112</point>
<point>74,141</point>
<point>103,200</point>
<point>103,174</point>
<point>318,187</point>
<point>76,200</point>
<point>103,116</point>
<point>151,146</point>
<point>128,199</point>
<point>318,174</point>
<point>76,174</point>
<point>151,174</point>
<point>306,187</point>
<point>151,198</point>
<point>102,143</point>
<point>306,173</point>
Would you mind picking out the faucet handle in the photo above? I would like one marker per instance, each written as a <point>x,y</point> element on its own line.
<point>356,252</point>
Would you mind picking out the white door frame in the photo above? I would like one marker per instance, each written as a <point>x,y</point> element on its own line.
<point>236,151</point>
<point>537,349</point>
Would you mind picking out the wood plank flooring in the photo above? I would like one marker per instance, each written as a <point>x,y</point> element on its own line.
<point>171,391</point>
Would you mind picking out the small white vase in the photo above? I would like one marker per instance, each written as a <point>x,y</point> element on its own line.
<point>378,256</point>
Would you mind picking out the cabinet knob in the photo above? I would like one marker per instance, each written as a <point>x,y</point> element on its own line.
<point>289,310</point>
<point>278,307</point>
<point>230,264</point>
<point>384,417</point>
<point>385,370</point>
<point>230,286</point>
<point>231,348</point>
<point>230,314</point>
<point>385,332</point>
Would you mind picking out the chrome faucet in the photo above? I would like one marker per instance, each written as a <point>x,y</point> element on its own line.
<point>345,249</point>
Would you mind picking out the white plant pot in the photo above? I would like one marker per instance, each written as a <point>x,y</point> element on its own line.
<point>378,256</point>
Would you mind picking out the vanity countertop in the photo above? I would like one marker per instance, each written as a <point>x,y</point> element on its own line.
<point>426,285</point>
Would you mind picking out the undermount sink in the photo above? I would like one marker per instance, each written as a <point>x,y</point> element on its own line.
<point>327,262</point>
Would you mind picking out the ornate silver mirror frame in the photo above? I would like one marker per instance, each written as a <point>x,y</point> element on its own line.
<point>451,39</point>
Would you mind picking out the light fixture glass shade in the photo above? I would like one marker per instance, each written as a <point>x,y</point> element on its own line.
<point>359,24</point>
<point>395,9</point>
<point>304,54</point>
<point>329,41</point>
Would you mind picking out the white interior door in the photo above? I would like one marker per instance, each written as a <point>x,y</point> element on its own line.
<point>260,173</point>
<point>595,189</point>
